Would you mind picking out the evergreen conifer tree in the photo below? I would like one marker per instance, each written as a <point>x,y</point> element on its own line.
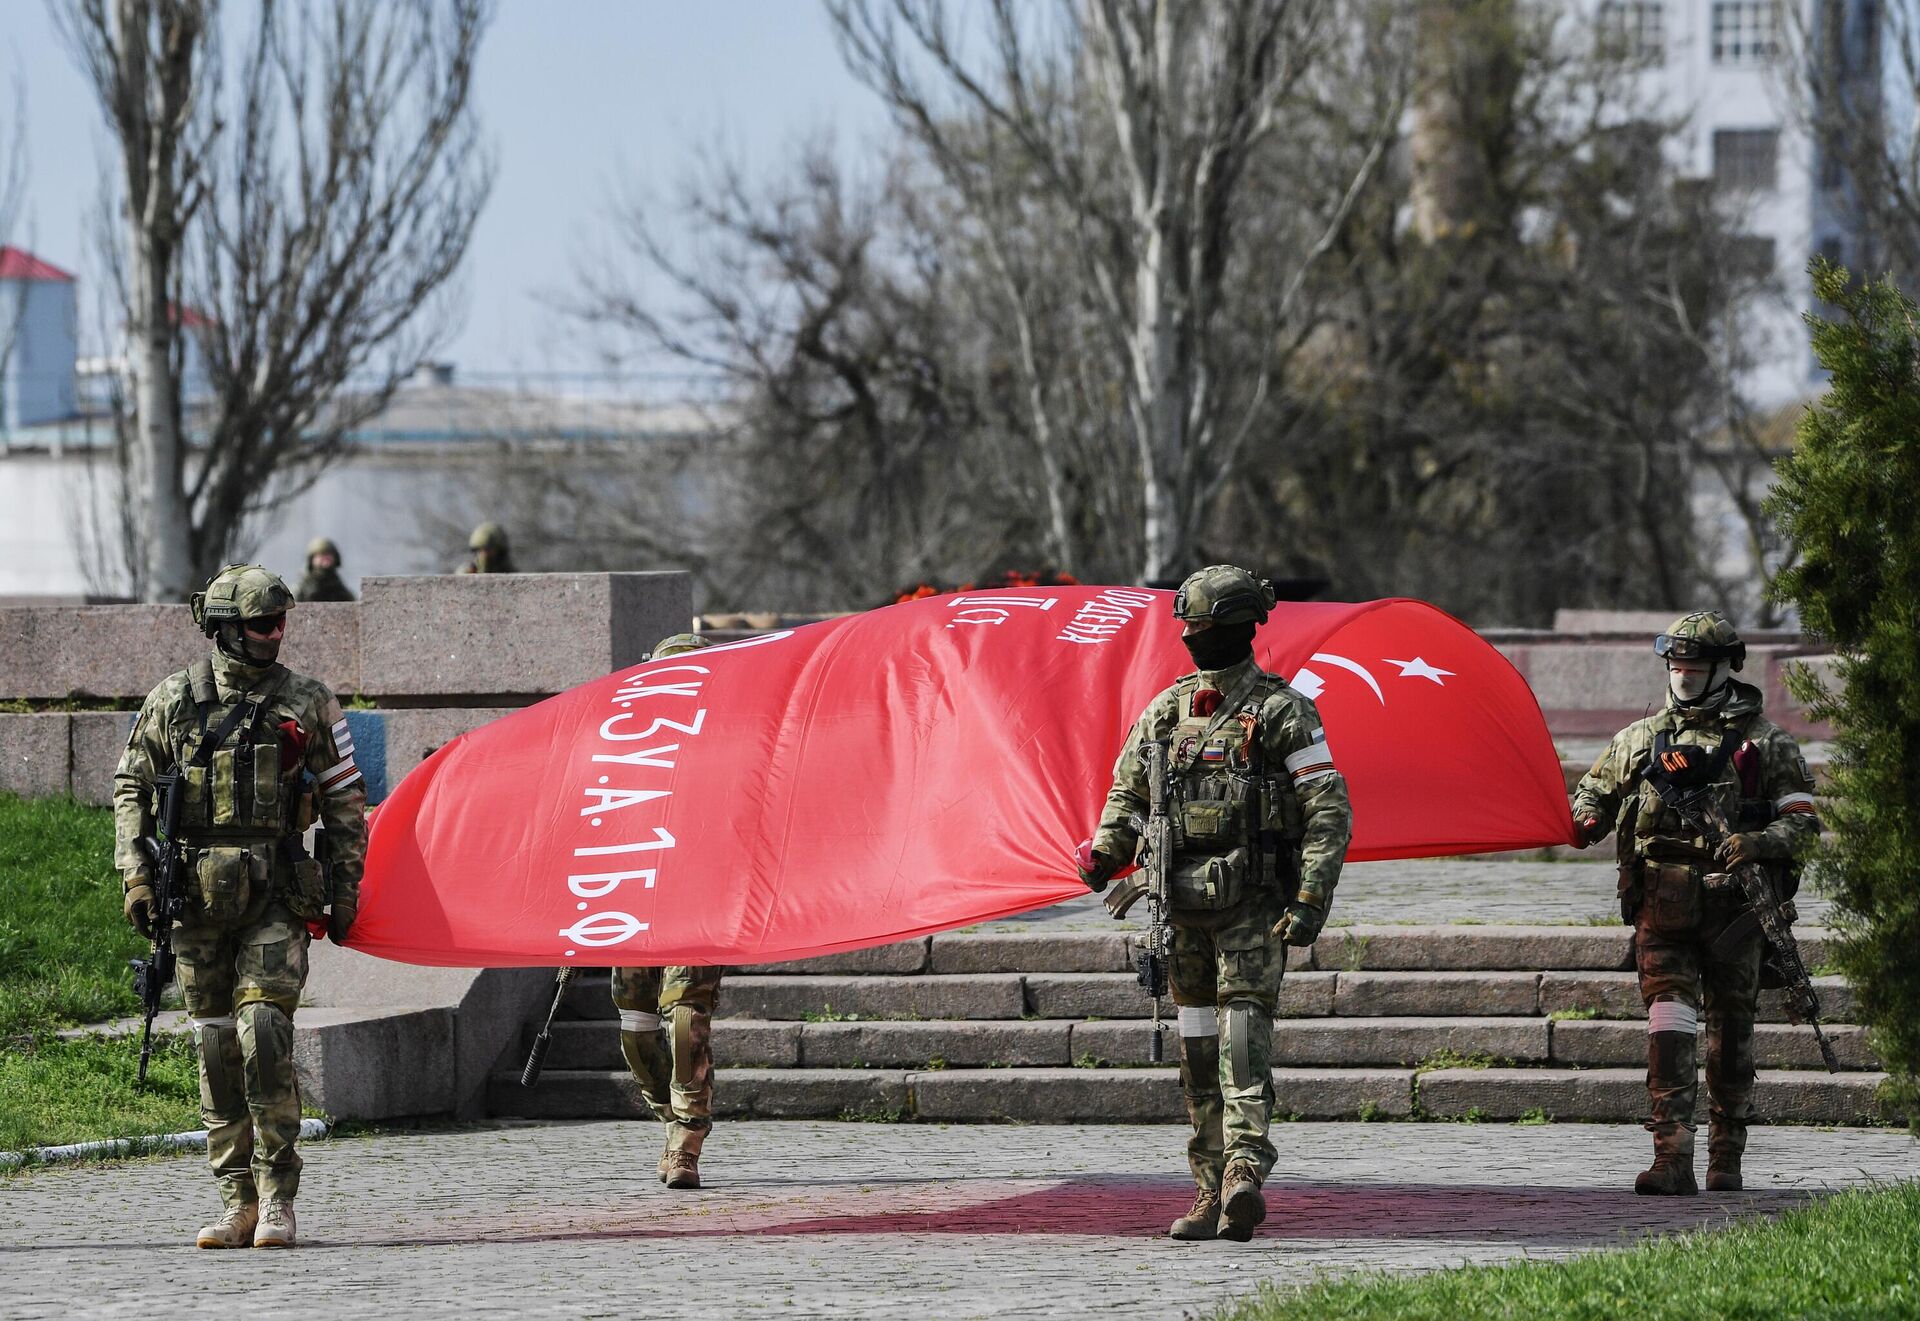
<point>1849,497</point>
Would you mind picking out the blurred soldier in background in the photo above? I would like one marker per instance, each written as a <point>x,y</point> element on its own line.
<point>322,581</point>
<point>261,753</point>
<point>490,553</point>
<point>666,1030</point>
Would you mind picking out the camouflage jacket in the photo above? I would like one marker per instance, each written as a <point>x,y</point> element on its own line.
<point>322,585</point>
<point>1764,787</point>
<point>168,727</point>
<point>1294,756</point>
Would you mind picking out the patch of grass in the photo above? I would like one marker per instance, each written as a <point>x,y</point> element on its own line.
<point>1086,1059</point>
<point>937,1063</point>
<point>1448,1058</point>
<point>878,1114</point>
<point>64,944</point>
<point>1369,1113</point>
<point>1535,1116</point>
<point>55,1090</point>
<point>1578,1014</point>
<point>826,1014</point>
<point>1851,1255</point>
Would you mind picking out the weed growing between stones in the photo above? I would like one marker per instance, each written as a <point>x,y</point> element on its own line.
<point>825,1014</point>
<point>937,1063</point>
<point>1578,1014</point>
<point>877,1114</point>
<point>1086,1059</point>
<point>1535,1116</point>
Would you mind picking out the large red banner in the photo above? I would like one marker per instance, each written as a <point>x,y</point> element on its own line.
<point>903,771</point>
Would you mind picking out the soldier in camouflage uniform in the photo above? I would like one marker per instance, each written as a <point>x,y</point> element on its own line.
<point>1261,823</point>
<point>322,581</point>
<point>666,1030</point>
<point>490,551</point>
<point>1697,944</point>
<point>262,753</point>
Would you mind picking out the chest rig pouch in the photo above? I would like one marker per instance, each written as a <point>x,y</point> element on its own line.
<point>1222,808</point>
<point>233,810</point>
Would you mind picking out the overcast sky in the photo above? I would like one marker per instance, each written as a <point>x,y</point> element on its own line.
<point>580,99</point>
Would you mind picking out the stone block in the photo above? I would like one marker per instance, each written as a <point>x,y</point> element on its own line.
<point>900,958</point>
<point>1567,1094</point>
<point>574,1094</point>
<point>34,755</point>
<point>1589,676</point>
<point>1783,1096</point>
<point>1126,1042</point>
<point>1118,995</point>
<point>408,736</point>
<point>1836,1002</point>
<point>1351,1042</point>
<point>1342,1093</point>
<point>913,1045</point>
<point>811,1093</point>
<point>577,1044</point>
<point>1463,948</point>
<point>514,636</point>
<point>872,997</point>
<point>590,995</point>
<point>122,651</point>
<point>1628,623</point>
<point>1612,1044</point>
<point>1032,951</point>
<point>98,738</point>
<point>1049,1096</point>
<point>379,1063</point>
<point>745,1043</point>
<point>1611,994</point>
<point>1422,994</point>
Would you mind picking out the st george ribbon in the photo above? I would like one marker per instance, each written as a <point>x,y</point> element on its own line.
<point>914,768</point>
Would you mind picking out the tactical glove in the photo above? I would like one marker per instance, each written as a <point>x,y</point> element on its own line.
<point>1586,830</point>
<point>1738,850</point>
<point>340,921</point>
<point>1126,894</point>
<point>1096,869</point>
<point>1301,924</point>
<point>138,905</point>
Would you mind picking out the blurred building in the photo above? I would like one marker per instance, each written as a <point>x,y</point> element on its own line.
<point>1718,64</point>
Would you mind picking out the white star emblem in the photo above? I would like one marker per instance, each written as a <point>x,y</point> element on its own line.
<point>1419,669</point>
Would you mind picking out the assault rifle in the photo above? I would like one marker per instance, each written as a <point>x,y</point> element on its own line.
<point>1155,856</point>
<point>537,1057</point>
<point>1775,915</point>
<point>151,974</point>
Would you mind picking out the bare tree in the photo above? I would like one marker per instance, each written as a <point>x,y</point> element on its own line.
<point>301,241</point>
<point>1136,122</point>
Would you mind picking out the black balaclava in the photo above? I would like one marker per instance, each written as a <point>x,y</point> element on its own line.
<point>1222,646</point>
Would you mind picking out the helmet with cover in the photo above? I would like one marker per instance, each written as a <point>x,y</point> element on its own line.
<point>488,536</point>
<point>678,644</point>
<point>1700,650</point>
<point>239,595</point>
<point>322,546</point>
<point>1224,594</point>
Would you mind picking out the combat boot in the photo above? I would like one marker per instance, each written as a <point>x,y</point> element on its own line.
<point>1243,1206</point>
<point>1201,1223</point>
<point>1723,1173</point>
<point>232,1230</point>
<point>276,1226</point>
<point>680,1161</point>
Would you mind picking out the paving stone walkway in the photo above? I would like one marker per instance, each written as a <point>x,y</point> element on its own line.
<point>855,1220</point>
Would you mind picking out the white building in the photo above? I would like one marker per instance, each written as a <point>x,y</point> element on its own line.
<point>1718,65</point>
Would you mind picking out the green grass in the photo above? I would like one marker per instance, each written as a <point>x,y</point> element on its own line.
<point>54,1090</point>
<point>64,948</point>
<point>1856,1254</point>
<point>64,945</point>
<point>1580,1014</point>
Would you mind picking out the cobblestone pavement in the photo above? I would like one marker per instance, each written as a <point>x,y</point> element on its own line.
<point>1437,891</point>
<point>855,1220</point>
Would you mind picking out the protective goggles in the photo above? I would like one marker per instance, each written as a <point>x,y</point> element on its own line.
<point>1668,647</point>
<point>1254,602</point>
<point>265,626</point>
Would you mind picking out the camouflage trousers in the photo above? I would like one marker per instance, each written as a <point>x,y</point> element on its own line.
<point>1224,971</point>
<point>666,1035</point>
<point>241,980</point>
<point>1689,979</point>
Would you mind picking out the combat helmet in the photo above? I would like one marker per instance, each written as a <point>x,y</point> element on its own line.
<point>488,536</point>
<point>1225,594</point>
<point>1705,635</point>
<point>322,546</point>
<point>239,592</point>
<point>677,644</point>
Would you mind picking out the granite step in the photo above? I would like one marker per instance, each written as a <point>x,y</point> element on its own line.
<point>1152,1095</point>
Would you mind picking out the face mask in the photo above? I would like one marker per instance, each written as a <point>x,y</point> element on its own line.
<point>1220,646</point>
<point>1690,686</point>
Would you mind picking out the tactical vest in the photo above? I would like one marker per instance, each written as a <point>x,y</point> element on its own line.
<point>1658,832</point>
<point>1237,826</point>
<point>239,801</point>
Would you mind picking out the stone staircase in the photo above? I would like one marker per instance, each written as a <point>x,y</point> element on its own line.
<point>1046,1025</point>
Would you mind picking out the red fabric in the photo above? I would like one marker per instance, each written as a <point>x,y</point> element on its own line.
<point>293,744</point>
<point>1206,701</point>
<point>903,771</point>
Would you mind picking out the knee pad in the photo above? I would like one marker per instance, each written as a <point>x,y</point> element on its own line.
<point>216,1041</point>
<point>1245,1040</point>
<point>266,1042</point>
